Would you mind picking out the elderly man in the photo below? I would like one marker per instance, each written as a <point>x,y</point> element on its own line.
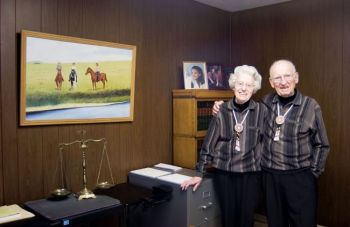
<point>295,150</point>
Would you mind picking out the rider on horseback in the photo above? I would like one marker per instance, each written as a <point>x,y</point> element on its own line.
<point>59,78</point>
<point>59,68</point>
<point>97,72</point>
<point>73,77</point>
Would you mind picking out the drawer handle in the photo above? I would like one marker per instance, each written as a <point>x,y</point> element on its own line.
<point>204,207</point>
<point>206,194</point>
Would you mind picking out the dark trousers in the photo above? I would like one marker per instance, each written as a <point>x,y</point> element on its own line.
<point>238,195</point>
<point>291,198</point>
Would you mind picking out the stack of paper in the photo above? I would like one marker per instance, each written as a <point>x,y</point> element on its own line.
<point>150,172</point>
<point>13,213</point>
<point>164,172</point>
<point>167,167</point>
<point>175,178</point>
<point>7,211</point>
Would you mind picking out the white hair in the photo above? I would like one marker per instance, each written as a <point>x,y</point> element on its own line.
<point>249,70</point>
<point>283,61</point>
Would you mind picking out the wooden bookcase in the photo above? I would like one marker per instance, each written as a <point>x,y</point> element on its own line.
<point>191,118</point>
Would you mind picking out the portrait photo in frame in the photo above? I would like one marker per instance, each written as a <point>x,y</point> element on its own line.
<point>195,75</point>
<point>69,80</point>
<point>217,78</point>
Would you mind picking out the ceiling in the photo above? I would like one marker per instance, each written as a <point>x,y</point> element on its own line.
<point>238,5</point>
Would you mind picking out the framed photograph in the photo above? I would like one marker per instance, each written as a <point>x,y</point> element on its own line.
<point>195,75</point>
<point>217,78</point>
<point>68,80</point>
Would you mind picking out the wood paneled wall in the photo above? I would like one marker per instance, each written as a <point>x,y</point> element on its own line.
<point>1,175</point>
<point>315,35</point>
<point>166,33</point>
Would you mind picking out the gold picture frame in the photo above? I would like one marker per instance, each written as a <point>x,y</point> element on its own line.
<point>69,80</point>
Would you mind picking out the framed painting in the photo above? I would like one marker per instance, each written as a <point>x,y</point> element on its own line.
<point>195,75</point>
<point>68,80</point>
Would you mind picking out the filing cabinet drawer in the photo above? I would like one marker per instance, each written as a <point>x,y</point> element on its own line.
<point>214,222</point>
<point>203,206</point>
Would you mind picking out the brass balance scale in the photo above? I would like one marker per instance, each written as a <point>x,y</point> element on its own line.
<point>85,193</point>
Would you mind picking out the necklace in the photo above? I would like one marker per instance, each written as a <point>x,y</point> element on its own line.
<point>238,129</point>
<point>239,126</point>
<point>280,120</point>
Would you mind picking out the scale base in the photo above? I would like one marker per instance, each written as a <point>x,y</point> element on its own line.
<point>86,194</point>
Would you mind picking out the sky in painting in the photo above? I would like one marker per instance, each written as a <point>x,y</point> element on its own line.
<point>51,51</point>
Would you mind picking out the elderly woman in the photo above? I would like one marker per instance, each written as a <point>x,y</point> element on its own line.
<point>232,147</point>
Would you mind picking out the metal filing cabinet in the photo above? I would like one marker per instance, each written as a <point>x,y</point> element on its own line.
<point>185,208</point>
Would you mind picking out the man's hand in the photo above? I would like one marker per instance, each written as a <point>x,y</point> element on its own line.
<point>216,107</point>
<point>195,181</point>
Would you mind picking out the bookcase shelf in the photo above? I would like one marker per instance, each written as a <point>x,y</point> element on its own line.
<point>192,113</point>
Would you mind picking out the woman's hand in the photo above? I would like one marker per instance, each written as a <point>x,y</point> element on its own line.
<point>216,107</point>
<point>194,181</point>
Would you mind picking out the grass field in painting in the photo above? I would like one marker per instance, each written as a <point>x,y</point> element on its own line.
<point>41,92</point>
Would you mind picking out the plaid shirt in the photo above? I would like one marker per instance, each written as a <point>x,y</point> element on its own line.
<point>303,139</point>
<point>218,148</point>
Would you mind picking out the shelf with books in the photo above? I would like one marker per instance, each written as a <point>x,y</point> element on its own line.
<point>192,113</point>
<point>192,110</point>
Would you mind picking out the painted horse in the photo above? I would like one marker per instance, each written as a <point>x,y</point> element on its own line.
<point>102,77</point>
<point>58,80</point>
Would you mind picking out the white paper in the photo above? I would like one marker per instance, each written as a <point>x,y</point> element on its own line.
<point>168,167</point>
<point>6,211</point>
<point>175,178</point>
<point>21,214</point>
<point>150,172</point>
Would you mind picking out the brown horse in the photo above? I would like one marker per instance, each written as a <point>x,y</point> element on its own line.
<point>102,78</point>
<point>58,80</point>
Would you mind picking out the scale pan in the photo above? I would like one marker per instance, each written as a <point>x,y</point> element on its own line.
<point>60,192</point>
<point>104,185</point>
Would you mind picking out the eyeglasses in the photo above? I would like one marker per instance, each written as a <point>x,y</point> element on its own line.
<point>278,79</point>
<point>240,84</point>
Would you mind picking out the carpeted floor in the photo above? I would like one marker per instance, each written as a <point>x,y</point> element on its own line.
<point>260,221</point>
